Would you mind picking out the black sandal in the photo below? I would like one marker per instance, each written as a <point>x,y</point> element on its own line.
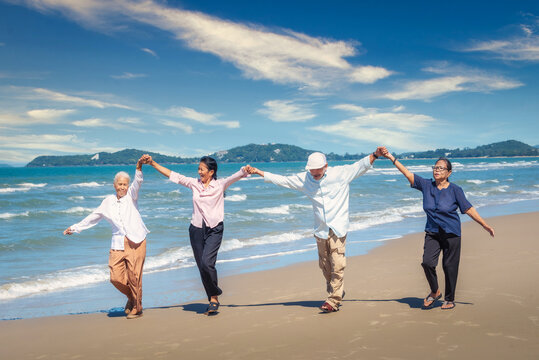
<point>212,308</point>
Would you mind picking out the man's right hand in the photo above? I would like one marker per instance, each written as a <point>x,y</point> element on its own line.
<point>68,231</point>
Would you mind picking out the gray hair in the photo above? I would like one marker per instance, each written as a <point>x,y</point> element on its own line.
<point>121,174</point>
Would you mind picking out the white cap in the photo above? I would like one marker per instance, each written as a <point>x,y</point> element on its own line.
<point>316,160</point>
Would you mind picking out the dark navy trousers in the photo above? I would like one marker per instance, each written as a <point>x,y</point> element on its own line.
<point>449,244</point>
<point>205,243</point>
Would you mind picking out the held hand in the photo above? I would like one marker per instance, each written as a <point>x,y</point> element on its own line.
<point>380,151</point>
<point>68,231</point>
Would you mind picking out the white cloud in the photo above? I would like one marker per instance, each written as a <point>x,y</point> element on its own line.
<point>369,74</point>
<point>188,129</point>
<point>523,47</point>
<point>71,99</point>
<point>286,111</point>
<point>25,147</point>
<point>96,122</point>
<point>206,119</point>
<point>37,116</point>
<point>456,79</point>
<point>149,51</point>
<point>128,76</point>
<point>400,130</point>
<point>284,56</point>
<point>351,108</point>
<point>130,121</point>
<point>49,115</point>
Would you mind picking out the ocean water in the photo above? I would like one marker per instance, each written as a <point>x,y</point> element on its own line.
<point>44,273</point>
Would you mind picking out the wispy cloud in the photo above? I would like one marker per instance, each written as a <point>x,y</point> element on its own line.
<point>188,129</point>
<point>128,76</point>
<point>77,100</point>
<point>400,130</point>
<point>455,79</point>
<point>149,51</point>
<point>33,117</point>
<point>49,115</point>
<point>521,47</point>
<point>206,119</point>
<point>96,122</point>
<point>286,111</point>
<point>24,147</point>
<point>282,56</point>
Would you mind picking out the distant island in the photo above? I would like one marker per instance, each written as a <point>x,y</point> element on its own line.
<point>275,153</point>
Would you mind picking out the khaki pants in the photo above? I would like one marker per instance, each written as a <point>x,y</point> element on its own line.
<point>332,262</point>
<point>126,270</point>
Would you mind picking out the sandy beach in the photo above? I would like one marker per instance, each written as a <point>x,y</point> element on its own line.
<point>274,314</point>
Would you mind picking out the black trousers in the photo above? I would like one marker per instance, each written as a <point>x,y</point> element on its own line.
<point>449,244</point>
<point>205,243</point>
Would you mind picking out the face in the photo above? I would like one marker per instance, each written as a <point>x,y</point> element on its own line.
<point>205,174</point>
<point>317,174</point>
<point>440,171</point>
<point>121,185</point>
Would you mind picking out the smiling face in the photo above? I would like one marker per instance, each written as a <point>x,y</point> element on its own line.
<point>440,171</point>
<point>205,174</point>
<point>121,185</point>
<point>317,174</point>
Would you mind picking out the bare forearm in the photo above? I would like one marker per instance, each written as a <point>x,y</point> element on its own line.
<point>409,175</point>
<point>471,212</point>
<point>163,170</point>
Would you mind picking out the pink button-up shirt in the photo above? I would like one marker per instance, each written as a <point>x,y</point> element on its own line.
<point>208,203</point>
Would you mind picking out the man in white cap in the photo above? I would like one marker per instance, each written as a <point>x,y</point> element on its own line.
<point>328,188</point>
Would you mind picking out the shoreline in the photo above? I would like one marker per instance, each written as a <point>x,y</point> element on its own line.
<point>273,313</point>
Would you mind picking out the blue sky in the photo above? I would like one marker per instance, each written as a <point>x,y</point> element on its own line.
<point>190,77</point>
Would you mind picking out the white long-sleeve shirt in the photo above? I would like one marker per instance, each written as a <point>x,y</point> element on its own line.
<point>122,214</point>
<point>329,195</point>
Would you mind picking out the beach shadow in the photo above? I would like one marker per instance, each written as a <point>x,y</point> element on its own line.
<point>198,308</point>
<point>116,312</point>
<point>412,302</point>
<point>309,304</point>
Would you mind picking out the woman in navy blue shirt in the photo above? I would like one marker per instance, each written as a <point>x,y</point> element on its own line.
<point>441,199</point>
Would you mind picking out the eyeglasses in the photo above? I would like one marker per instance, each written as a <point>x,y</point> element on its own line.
<point>438,168</point>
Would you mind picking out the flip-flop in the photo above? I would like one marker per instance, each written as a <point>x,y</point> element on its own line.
<point>450,307</point>
<point>432,300</point>
<point>212,308</point>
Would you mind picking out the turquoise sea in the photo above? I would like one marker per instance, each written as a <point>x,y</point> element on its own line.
<point>43,272</point>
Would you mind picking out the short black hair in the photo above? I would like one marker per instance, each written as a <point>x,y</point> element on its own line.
<point>447,162</point>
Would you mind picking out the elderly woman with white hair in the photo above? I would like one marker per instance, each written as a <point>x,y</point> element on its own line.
<point>128,247</point>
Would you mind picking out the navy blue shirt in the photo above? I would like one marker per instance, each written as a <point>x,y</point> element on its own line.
<point>441,205</point>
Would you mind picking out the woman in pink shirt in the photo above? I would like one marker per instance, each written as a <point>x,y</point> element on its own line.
<point>206,229</point>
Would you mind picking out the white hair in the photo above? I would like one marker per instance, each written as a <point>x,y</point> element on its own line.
<point>121,174</point>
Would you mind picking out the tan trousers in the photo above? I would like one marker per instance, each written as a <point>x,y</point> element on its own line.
<point>126,270</point>
<point>332,261</point>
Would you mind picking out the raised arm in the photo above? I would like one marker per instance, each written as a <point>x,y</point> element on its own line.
<point>471,212</point>
<point>409,175</point>
<point>252,170</point>
<point>235,177</point>
<point>163,170</point>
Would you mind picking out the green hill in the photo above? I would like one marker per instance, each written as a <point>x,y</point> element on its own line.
<point>504,148</point>
<point>273,153</point>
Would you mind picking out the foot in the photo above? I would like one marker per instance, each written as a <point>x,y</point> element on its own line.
<point>431,299</point>
<point>327,308</point>
<point>212,308</point>
<point>448,305</point>
<point>134,314</point>
<point>128,306</point>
